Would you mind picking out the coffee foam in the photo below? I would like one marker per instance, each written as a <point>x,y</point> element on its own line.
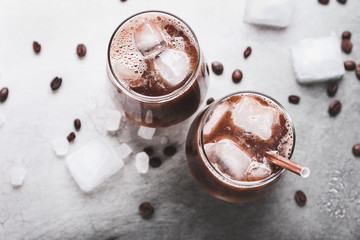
<point>124,51</point>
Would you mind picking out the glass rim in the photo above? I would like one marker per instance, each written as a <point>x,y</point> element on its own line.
<point>139,96</point>
<point>261,182</point>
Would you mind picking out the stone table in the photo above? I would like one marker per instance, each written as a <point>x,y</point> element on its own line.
<point>51,206</point>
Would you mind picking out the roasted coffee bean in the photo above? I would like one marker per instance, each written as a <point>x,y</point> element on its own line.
<point>122,0</point>
<point>300,198</point>
<point>81,50</point>
<point>169,151</point>
<point>210,101</point>
<point>247,52</point>
<point>217,68</point>
<point>357,71</point>
<point>341,1</point>
<point>77,124</point>
<point>4,92</point>
<point>346,35</point>
<point>356,150</point>
<point>149,151</point>
<point>323,1</point>
<point>332,88</point>
<point>349,65</point>
<point>146,209</point>
<point>56,83</point>
<point>155,162</point>
<point>346,45</point>
<point>71,137</point>
<point>237,76</point>
<point>294,99</point>
<point>36,47</point>
<point>335,108</point>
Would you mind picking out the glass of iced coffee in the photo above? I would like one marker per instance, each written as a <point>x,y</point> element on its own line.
<point>157,67</point>
<point>227,143</point>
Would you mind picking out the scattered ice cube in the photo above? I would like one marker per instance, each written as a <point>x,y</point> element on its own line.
<point>254,117</point>
<point>93,164</point>
<point>164,140</point>
<point>148,39</point>
<point>317,59</point>
<point>149,116</point>
<point>60,146</point>
<point>258,171</point>
<point>112,120</point>
<point>124,150</point>
<point>146,132</point>
<point>275,13</point>
<point>142,162</point>
<point>173,66</point>
<point>215,117</point>
<point>17,176</point>
<point>226,156</point>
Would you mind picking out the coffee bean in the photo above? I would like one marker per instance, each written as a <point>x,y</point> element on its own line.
<point>217,68</point>
<point>341,1</point>
<point>77,124</point>
<point>335,108</point>
<point>323,1</point>
<point>81,50</point>
<point>122,0</point>
<point>332,88</point>
<point>4,92</point>
<point>247,52</point>
<point>56,83</point>
<point>36,47</point>
<point>346,35</point>
<point>356,150</point>
<point>149,151</point>
<point>237,76</point>
<point>155,162</point>
<point>71,137</point>
<point>146,209</point>
<point>349,65</point>
<point>210,101</point>
<point>357,71</point>
<point>294,99</point>
<point>346,45</point>
<point>169,151</point>
<point>300,198</point>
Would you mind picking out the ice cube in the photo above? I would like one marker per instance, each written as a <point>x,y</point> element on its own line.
<point>228,158</point>
<point>215,117</point>
<point>275,13</point>
<point>112,120</point>
<point>317,59</point>
<point>93,164</point>
<point>142,162</point>
<point>146,132</point>
<point>148,39</point>
<point>258,171</point>
<point>124,150</point>
<point>173,66</point>
<point>60,146</point>
<point>124,73</point>
<point>17,176</point>
<point>254,118</point>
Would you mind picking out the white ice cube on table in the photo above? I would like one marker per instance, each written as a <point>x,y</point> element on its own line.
<point>93,164</point>
<point>124,150</point>
<point>258,171</point>
<point>317,59</point>
<point>275,13</point>
<point>228,158</point>
<point>17,176</point>
<point>215,117</point>
<point>254,118</point>
<point>148,39</point>
<point>173,66</point>
<point>112,120</point>
<point>142,162</point>
<point>60,146</point>
<point>146,132</point>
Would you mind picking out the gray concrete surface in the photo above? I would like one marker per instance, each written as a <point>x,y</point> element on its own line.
<point>51,206</point>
